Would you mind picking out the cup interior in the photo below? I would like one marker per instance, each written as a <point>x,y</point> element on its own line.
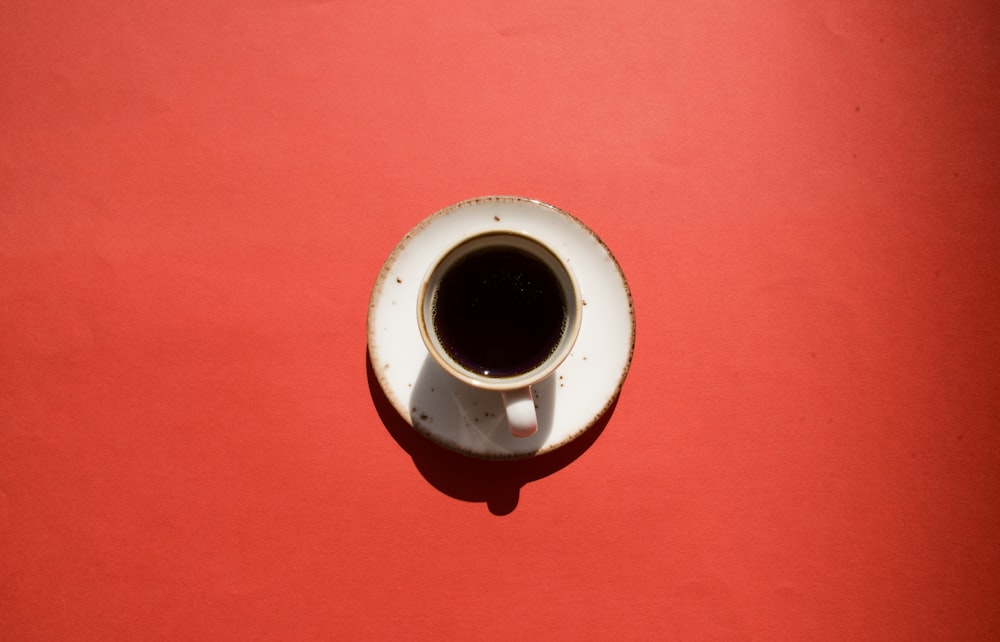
<point>455,271</point>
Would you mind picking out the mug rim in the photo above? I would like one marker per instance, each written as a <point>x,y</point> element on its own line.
<point>514,382</point>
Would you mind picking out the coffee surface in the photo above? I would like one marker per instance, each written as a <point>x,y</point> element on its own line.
<point>499,311</point>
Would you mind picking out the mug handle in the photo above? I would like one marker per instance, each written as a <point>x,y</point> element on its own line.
<point>521,416</point>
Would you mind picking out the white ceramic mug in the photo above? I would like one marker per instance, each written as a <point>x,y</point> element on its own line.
<point>500,311</point>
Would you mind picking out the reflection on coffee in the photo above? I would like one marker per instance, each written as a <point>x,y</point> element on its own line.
<point>499,311</point>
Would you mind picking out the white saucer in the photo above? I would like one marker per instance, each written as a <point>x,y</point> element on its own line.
<point>472,421</point>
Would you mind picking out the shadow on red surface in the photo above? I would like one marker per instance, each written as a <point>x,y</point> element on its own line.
<point>496,482</point>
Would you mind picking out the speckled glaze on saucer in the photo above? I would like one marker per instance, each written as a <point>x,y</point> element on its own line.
<point>472,421</point>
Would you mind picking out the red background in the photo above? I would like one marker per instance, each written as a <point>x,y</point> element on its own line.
<point>195,199</point>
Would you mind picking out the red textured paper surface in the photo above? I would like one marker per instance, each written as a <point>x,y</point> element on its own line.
<point>195,199</point>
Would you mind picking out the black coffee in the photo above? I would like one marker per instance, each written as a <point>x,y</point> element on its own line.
<point>499,311</point>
